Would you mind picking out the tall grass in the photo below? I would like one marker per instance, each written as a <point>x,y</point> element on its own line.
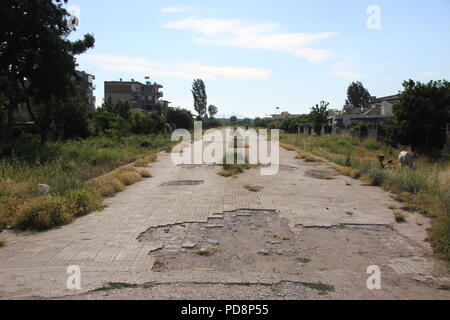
<point>69,169</point>
<point>425,189</point>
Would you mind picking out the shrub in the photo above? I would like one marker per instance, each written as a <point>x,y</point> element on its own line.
<point>145,174</point>
<point>43,213</point>
<point>82,201</point>
<point>226,173</point>
<point>399,217</point>
<point>374,177</point>
<point>108,186</point>
<point>140,163</point>
<point>128,178</point>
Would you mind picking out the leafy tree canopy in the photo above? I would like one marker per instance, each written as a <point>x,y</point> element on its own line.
<point>37,60</point>
<point>180,118</point>
<point>319,114</point>
<point>358,96</point>
<point>212,110</point>
<point>421,115</point>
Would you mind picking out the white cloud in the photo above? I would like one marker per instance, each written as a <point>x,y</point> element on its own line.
<point>254,35</point>
<point>347,74</point>
<point>177,9</point>
<point>184,71</point>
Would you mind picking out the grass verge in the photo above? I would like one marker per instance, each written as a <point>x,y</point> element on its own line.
<point>79,172</point>
<point>423,190</point>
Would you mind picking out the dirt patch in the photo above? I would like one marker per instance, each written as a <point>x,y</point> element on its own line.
<point>322,173</point>
<point>182,183</point>
<point>247,241</point>
<point>250,241</point>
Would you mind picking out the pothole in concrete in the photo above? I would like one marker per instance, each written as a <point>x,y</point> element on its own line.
<point>252,241</point>
<point>244,240</point>
<point>182,183</point>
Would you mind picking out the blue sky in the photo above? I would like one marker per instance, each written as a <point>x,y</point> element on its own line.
<point>255,56</point>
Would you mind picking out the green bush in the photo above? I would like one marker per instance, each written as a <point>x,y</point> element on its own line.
<point>424,189</point>
<point>376,177</point>
<point>43,213</point>
<point>82,201</point>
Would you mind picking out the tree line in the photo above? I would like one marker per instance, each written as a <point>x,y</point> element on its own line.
<point>41,91</point>
<point>420,116</point>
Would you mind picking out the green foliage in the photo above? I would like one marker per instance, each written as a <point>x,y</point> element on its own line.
<point>71,118</point>
<point>211,123</point>
<point>200,97</point>
<point>43,213</point>
<point>107,123</point>
<point>358,96</point>
<point>421,115</point>
<point>426,187</point>
<point>82,201</point>
<point>212,110</point>
<point>123,109</point>
<point>37,60</point>
<point>67,167</point>
<point>180,118</point>
<point>319,114</point>
<point>148,123</point>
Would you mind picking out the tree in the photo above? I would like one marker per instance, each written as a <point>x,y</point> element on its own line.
<point>200,97</point>
<point>358,96</point>
<point>233,120</point>
<point>212,110</point>
<point>108,105</point>
<point>148,123</point>
<point>180,118</point>
<point>319,115</point>
<point>37,61</point>
<point>421,115</point>
<point>71,118</point>
<point>123,109</point>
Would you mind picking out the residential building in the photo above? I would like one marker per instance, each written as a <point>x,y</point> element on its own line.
<point>87,87</point>
<point>380,110</point>
<point>143,97</point>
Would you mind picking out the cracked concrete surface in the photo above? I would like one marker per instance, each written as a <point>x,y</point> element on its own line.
<point>106,244</point>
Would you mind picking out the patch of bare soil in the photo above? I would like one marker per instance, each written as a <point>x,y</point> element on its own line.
<point>244,241</point>
<point>322,173</point>
<point>262,242</point>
